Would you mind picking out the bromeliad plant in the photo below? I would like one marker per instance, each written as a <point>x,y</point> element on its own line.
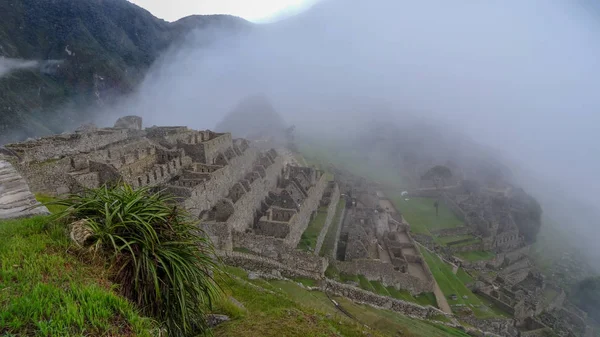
<point>160,259</point>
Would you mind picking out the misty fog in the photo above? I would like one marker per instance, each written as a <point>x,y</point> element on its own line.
<point>7,65</point>
<point>519,77</point>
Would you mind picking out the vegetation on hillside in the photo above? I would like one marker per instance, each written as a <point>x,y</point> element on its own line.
<point>586,294</point>
<point>90,51</point>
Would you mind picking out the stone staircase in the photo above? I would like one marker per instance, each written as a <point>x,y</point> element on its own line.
<point>16,200</point>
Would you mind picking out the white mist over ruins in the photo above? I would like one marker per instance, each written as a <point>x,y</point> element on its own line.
<point>518,77</point>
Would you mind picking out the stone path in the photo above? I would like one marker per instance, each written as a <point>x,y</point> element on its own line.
<point>16,200</point>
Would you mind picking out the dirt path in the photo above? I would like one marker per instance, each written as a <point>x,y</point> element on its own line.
<point>439,295</point>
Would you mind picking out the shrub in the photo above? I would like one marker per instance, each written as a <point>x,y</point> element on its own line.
<point>159,257</point>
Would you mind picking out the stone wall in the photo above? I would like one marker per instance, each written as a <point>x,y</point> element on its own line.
<point>59,146</point>
<point>302,218</point>
<point>499,326</point>
<point>15,198</point>
<point>250,202</point>
<point>277,250</point>
<point>504,306</point>
<point>207,194</point>
<point>331,210</point>
<point>375,270</point>
<point>543,332</point>
<point>266,265</point>
<point>366,297</point>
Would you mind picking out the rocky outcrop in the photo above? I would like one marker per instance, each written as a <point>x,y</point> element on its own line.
<point>16,200</point>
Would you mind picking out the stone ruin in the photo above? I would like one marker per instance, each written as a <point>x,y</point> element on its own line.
<point>245,197</point>
<point>375,242</point>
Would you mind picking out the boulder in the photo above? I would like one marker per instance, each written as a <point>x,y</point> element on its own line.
<point>213,319</point>
<point>129,122</point>
<point>16,200</point>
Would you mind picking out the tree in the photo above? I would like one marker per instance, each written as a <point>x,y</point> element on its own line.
<point>438,174</point>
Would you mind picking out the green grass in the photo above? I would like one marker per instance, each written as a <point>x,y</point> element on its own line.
<point>464,277</point>
<point>476,255</point>
<point>422,299</point>
<point>365,284</point>
<point>468,242</point>
<point>380,289</point>
<point>307,282</point>
<point>329,241</point>
<point>454,284</point>
<point>44,199</point>
<point>46,291</point>
<point>420,214</point>
<point>393,324</point>
<point>308,241</point>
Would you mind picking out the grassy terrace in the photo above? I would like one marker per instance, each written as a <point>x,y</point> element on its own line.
<point>290,310</point>
<point>420,213</point>
<point>329,241</point>
<point>308,241</point>
<point>455,284</point>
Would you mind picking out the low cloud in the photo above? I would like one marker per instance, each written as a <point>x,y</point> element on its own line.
<point>7,65</point>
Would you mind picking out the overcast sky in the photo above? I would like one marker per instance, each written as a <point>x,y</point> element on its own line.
<point>251,10</point>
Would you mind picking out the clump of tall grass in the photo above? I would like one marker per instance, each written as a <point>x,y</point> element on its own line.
<point>159,257</point>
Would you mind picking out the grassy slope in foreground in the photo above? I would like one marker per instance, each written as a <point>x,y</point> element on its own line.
<point>46,291</point>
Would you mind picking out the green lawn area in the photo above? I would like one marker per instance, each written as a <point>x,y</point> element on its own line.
<point>329,241</point>
<point>448,239</point>
<point>454,284</point>
<point>308,241</point>
<point>294,311</point>
<point>464,277</point>
<point>476,255</point>
<point>420,214</point>
<point>46,291</point>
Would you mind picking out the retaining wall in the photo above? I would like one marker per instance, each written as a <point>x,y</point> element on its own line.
<point>375,270</point>
<point>366,297</point>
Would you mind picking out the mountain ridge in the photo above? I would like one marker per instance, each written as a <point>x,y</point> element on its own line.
<point>98,50</point>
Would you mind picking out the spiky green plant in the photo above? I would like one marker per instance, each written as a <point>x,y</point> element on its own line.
<point>158,256</point>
